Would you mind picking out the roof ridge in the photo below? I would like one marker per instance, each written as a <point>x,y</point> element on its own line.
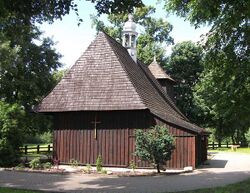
<point>159,97</point>
<point>112,39</point>
<point>162,92</point>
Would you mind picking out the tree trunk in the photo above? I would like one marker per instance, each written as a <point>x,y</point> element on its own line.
<point>158,168</point>
<point>220,132</point>
<point>232,138</point>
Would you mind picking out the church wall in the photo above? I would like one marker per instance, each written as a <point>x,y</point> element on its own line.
<point>185,146</point>
<point>74,138</point>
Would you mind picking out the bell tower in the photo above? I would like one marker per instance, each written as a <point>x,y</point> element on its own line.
<point>129,36</point>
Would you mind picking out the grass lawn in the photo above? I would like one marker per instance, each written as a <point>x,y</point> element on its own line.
<point>11,190</point>
<point>239,150</point>
<point>241,187</point>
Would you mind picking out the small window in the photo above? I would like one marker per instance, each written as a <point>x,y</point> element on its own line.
<point>126,40</point>
<point>133,41</point>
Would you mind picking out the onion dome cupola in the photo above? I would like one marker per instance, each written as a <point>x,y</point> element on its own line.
<point>129,36</point>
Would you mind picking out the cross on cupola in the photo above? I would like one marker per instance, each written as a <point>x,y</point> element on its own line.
<point>129,36</point>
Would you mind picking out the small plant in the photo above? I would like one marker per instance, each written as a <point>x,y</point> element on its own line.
<point>104,171</point>
<point>87,169</point>
<point>20,166</point>
<point>74,163</point>
<point>99,163</point>
<point>47,165</point>
<point>35,163</point>
<point>132,165</point>
<point>56,163</point>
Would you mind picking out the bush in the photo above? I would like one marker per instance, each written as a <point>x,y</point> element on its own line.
<point>247,135</point>
<point>35,163</point>
<point>99,163</point>
<point>7,154</point>
<point>87,169</point>
<point>74,163</point>
<point>154,145</point>
<point>47,165</point>
<point>43,138</point>
<point>11,129</point>
<point>132,165</point>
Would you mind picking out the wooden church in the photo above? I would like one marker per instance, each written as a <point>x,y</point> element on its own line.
<point>108,94</point>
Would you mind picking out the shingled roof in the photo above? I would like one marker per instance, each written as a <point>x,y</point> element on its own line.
<point>158,72</point>
<point>104,78</point>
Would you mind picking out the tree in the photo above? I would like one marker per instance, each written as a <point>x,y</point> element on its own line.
<point>223,91</point>
<point>185,66</point>
<point>151,41</point>
<point>224,86</point>
<point>11,127</point>
<point>27,12</point>
<point>155,145</point>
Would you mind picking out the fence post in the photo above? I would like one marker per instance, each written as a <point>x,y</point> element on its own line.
<point>38,149</point>
<point>213,144</point>
<point>227,144</point>
<point>49,148</point>
<point>25,149</point>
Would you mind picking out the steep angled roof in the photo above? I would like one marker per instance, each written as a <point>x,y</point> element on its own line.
<point>158,72</point>
<point>105,77</point>
<point>97,81</point>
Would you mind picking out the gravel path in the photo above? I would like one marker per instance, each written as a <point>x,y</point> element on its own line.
<point>224,168</point>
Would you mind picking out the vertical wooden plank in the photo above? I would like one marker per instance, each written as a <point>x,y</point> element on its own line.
<point>107,146</point>
<point>126,145</point>
<point>122,157</point>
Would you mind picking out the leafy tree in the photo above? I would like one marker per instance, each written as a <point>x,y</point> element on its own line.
<point>223,91</point>
<point>11,127</point>
<point>155,145</point>
<point>185,66</point>
<point>151,41</point>
<point>248,136</point>
<point>27,12</point>
<point>224,86</point>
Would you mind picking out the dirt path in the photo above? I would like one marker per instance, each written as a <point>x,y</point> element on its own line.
<point>224,168</point>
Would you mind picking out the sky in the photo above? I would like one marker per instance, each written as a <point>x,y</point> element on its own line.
<point>72,40</point>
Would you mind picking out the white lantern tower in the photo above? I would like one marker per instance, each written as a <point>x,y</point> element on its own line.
<point>129,36</point>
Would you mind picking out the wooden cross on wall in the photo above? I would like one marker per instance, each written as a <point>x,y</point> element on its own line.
<point>95,122</point>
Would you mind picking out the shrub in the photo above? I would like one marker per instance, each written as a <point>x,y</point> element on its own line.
<point>87,169</point>
<point>247,135</point>
<point>47,165</point>
<point>74,163</point>
<point>154,145</point>
<point>20,166</point>
<point>104,171</point>
<point>132,165</point>
<point>46,137</point>
<point>35,163</point>
<point>99,163</point>
<point>11,128</point>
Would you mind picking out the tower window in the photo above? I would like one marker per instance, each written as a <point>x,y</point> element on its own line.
<point>126,40</point>
<point>133,41</point>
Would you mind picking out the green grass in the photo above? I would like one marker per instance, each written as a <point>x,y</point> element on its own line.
<point>241,187</point>
<point>239,150</point>
<point>11,190</point>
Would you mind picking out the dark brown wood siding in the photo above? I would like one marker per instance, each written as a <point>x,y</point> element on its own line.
<point>74,138</point>
<point>184,153</point>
